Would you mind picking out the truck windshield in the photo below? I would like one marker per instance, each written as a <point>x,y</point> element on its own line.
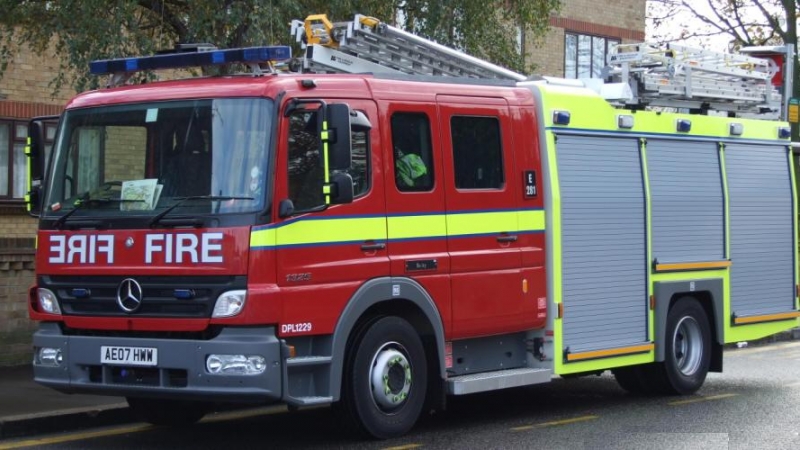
<point>144,159</point>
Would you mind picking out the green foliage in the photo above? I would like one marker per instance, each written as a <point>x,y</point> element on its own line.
<point>80,31</point>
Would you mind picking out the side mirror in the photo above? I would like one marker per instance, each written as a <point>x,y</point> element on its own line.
<point>337,124</point>
<point>35,152</point>
<point>285,208</point>
<point>341,188</point>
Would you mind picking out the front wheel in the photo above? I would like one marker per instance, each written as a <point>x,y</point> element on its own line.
<point>385,379</point>
<point>166,412</point>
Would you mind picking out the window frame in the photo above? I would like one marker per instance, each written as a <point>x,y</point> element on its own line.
<point>425,154</point>
<point>367,159</point>
<point>15,138</point>
<point>609,41</point>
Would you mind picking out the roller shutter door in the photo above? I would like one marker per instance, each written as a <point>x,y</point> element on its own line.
<point>762,270</point>
<point>603,242</point>
<point>688,215</point>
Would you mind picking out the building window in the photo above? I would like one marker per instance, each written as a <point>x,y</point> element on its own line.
<point>585,56</point>
<point>13,162</point>
<point>12,159</point>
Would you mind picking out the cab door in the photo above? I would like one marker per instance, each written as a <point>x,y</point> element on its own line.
<point>482,225</point>
<point>324,255</point>
<point>415,200</point>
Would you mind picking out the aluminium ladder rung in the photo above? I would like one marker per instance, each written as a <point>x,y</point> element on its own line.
<point>378,43</point>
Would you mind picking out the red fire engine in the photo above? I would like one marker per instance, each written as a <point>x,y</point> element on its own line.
<point>377,241</point>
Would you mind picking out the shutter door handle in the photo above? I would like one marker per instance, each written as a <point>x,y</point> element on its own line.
<point>373,247</point>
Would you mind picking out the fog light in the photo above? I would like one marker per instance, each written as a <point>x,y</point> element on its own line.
<point>48,301</point>
<point>50,356</point>
<point>236,364</point>
<point>229,304</point>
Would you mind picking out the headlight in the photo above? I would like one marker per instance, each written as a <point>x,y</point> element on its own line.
<point>48,356</point>
<point>47,301</point>
<point>236,364</point>
<point>229,304</point>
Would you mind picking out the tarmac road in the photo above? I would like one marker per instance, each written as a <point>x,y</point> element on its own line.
<point>752,405</point>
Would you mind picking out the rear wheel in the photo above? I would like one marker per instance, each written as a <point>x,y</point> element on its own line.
<point>167,412</point>
<point>688,350</point>
<point>385,379</point>
<point>633,379</point>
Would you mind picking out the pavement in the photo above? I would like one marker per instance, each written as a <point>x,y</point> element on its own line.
<point>27,408</point>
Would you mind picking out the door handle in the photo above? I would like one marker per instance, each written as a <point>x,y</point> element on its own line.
<point>372,247</point>
<point>507,238</point>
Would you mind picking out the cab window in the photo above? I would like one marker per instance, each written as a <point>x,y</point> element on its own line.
<point>413,156</point>
<point>306,164</point>
<point>477,152</point>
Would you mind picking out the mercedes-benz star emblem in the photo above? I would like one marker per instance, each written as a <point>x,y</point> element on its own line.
<point>129,295</point>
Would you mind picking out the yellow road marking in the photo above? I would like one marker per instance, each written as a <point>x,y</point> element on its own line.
<point>556,423</point>
<point>768,348</point>
<point>701,399</point>
<point>224,416</point>
<point>403,447</point>
<point>75,437</point>
<point>234,415</point>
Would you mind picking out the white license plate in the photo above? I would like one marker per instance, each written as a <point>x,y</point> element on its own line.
<point>129,356</point>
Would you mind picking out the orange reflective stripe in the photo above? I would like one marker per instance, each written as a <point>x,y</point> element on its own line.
<point>610,352</point>
<point>766,318</point>
<point>693,266</point>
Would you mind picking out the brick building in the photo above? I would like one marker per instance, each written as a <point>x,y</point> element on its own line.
<point>24,93</point>
<point>582,34</point>
<point>575,46</point>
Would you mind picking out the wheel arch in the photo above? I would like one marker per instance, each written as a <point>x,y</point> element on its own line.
<point>402,297</point>
<point>709,294</point>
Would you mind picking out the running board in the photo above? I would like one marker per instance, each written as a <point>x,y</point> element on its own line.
<point>502,379</point>
<point>309,401</point>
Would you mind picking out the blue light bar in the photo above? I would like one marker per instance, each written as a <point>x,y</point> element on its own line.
<point>182,60</point>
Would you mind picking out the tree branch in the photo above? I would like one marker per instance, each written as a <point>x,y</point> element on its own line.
<point>158,8</point>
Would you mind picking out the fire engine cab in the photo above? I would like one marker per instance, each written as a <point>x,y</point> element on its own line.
<point>399,222</point>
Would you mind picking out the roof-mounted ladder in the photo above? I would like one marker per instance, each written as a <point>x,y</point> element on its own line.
<point>366,45</point>
<point>685,77</point>
<point>637,75</point>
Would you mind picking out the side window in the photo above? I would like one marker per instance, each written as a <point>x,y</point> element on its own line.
<point>477,152</point>
<point>305,161</point>
<point>306,165</point>
<point>360,165</point>
<point>413,156</point>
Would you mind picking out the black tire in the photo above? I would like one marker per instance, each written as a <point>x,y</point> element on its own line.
<point>633,379</point>
<point>173,413</point>
<point>688,350</point>
<point>389,350</point>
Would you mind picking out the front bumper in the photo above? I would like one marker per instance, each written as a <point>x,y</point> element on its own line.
<point>180,373</point>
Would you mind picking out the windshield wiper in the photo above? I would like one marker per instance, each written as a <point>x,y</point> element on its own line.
<point>80,203</point>
<point>181,200</point>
